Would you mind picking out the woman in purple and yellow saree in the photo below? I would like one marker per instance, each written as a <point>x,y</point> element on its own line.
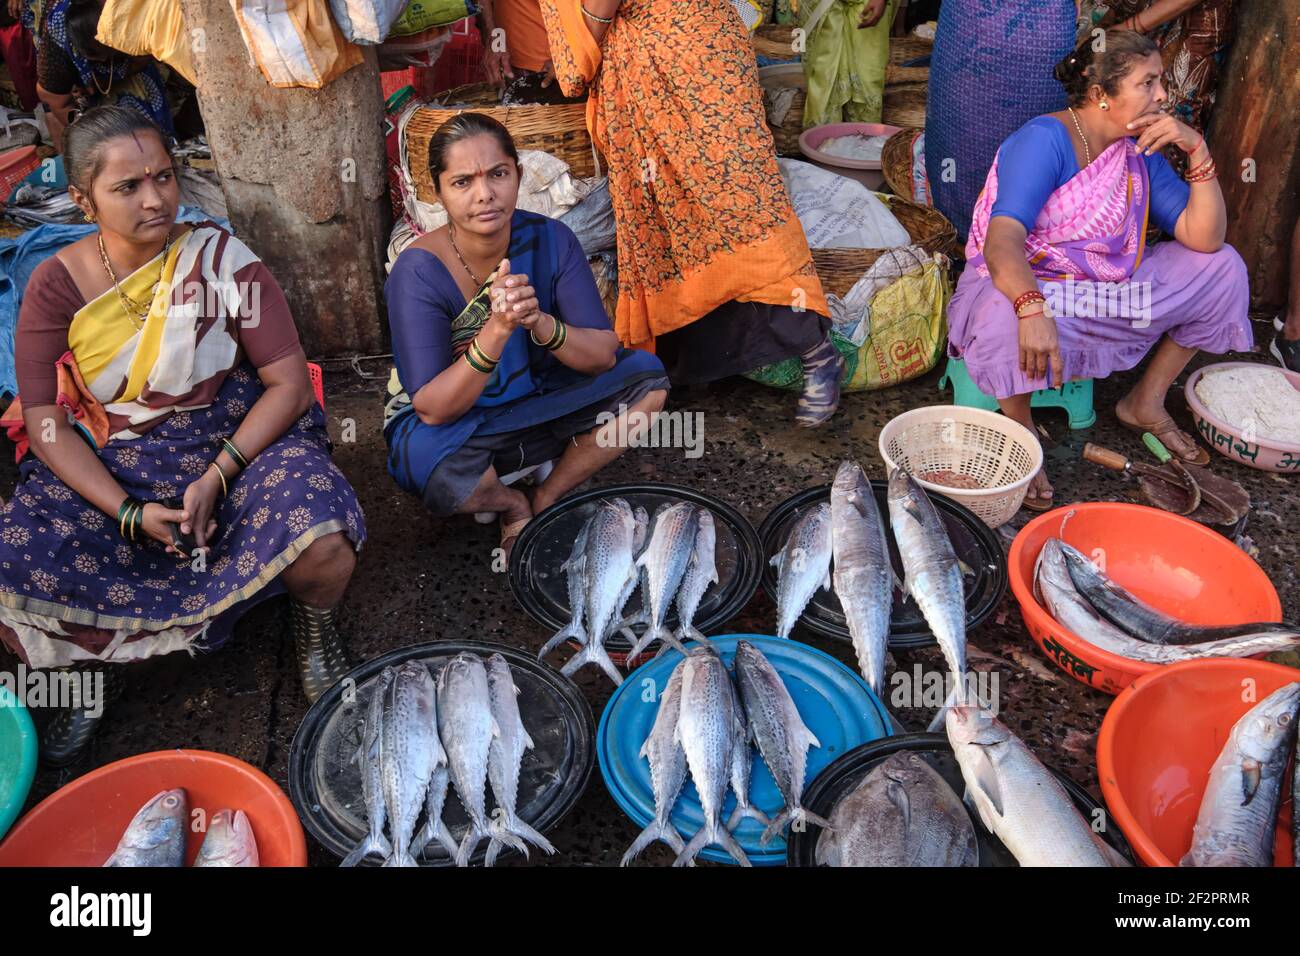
<point>1059,282</point>
<point>174,466</point>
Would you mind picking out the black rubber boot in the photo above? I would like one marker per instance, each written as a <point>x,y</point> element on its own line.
<point>71,729</point>
<point>322,661</point>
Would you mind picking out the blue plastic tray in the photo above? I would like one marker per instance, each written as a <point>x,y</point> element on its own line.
<point>833,700</point>
<point>17,757</point>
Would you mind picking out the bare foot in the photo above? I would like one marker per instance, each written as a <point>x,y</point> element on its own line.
<point>1039,495</point>
<point>513,521</point>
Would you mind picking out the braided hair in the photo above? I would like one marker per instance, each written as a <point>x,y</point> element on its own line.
<point>1086,67</point>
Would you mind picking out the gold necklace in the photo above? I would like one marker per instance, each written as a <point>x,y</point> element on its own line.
<point>451,234</point>
<point>1087,153</point>
<point>95,79</point>
<point>136,312</point>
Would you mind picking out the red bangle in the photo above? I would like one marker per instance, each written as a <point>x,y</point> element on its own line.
<point>1025,298</point>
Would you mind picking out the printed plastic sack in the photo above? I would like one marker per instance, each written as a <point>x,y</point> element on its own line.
<point>295,42</point>
<point>908,333</point>
<point>750,12</point>
<point>419,49</point>
<point>148,28</point>
<point>421,15</point>
<point>367,21</point>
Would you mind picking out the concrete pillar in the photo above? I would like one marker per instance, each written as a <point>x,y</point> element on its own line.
<point>304,176</point>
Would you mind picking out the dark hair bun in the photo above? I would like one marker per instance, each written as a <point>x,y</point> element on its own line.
<point>1086,65</point>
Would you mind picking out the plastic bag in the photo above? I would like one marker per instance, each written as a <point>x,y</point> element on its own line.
<point>367,21</point>
<point>148,28</point>
<point>838,212</point>
<point>908,333</point>
<point>421,15</point>
<point>295,42</point>
<point>419,49</point>
<point>592,220</point>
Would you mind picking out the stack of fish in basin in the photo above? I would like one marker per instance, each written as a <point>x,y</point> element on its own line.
<point>419,735</point>
<point>156,836</point>
<point>671,557</point>
<point>704,724</point>
<point>1100,612</point>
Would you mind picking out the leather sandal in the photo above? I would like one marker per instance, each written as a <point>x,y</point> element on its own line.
<point>1166,427</point>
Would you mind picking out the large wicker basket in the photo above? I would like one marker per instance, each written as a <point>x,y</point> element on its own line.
<point>558,129</point>
<point>787,133</point>
<point>840,269</point>
<point>905,105</point>
<point>896,162</point>
<point>777,41</point>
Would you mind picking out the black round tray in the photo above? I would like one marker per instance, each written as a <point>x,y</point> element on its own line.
<point>325,784</point>
<point>973,540</point>
<point>841,776</point>
<point>541,588</point>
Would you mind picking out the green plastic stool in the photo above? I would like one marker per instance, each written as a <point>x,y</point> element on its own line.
<point>1075,397</point>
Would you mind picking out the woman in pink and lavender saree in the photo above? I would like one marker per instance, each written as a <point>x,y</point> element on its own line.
<point>1059,283</point>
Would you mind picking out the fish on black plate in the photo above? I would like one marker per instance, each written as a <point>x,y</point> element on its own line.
<point>505,755</point>
<point>863,576</point>
<point>665,560</point>
<point>409,754</point>
<point>803,566</point>
<point>902,813</point>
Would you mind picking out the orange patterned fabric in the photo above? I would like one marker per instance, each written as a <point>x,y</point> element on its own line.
<point>702,212</point>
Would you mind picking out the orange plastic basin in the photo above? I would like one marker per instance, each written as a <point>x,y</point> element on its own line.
<point>1173,563</point>
<point>81,823</point>
<point>1159,740</point>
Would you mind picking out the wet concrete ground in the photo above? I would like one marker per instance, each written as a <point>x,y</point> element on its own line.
<point>421,579</point>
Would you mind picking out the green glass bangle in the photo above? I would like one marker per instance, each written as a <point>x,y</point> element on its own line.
<point>235,454</point>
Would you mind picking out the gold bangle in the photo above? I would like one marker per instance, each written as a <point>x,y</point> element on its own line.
<point>225,488</point>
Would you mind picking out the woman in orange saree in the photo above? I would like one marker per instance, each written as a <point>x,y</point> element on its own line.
<point>714,271</point>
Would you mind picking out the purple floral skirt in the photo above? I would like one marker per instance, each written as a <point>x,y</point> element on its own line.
<point>72,589</point>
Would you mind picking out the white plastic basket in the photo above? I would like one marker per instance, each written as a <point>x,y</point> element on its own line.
<point>999,454</point>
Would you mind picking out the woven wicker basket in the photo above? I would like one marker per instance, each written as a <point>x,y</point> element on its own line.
<point>905,105</point>
<point>776,40</point>
<point>896,162</point>
<point>560,130</point>
<point>787,134</point>
<point>839,269</point>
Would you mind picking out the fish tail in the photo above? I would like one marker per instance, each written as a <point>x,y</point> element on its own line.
<point>804,816</point>
<point>954,696</point>
<point>657,830</point>
<point>521,829</point>
<point>752,812</point>
<point>689,632</point>
<point>400,859</point>
<point>640,644</point>
<point>504,835</point>
<point>469,844</point>
<point>434,830</point>
<point>571,631</point>
<point>728,842</point>
<point>371,844</point>
<point>698,842</point>
<point>776,826</point>
<point>593,653</point>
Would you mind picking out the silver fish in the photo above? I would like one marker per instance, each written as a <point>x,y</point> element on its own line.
<point>1134,616</point>
<point>372,781</point>
<point>465,722</point>
<point>803,566</point>
<point>672,542</point>
<point>701,574</point>
<point>667,762</point>
<point>156,834</point>
<point>932,575</point>
<point>742,768</point>
<point>902,813</point>
<point>1238,816</point>
<point>434,828</point>
<point>608,565</point>
<point>1019,800</point>
<point>409,753</point>
<point>707,728</point>
<point>1055,586</point>
<point>504,757</point>
<point>863,577</point>
<point>782,737</point>
<point>618,622</point>
<point>576,580</point>
<point>229,841</point>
